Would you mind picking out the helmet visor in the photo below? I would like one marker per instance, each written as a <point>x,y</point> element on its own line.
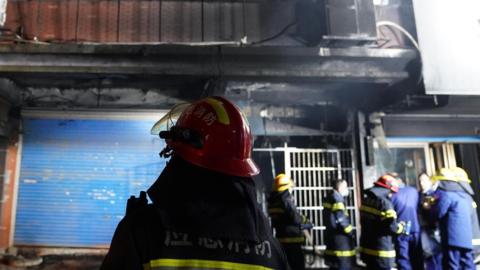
<point>169,120</point>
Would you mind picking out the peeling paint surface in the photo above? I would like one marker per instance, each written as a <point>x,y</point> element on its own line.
<point>76,176</point>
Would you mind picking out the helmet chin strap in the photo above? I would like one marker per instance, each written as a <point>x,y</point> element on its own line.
<point>166,152</point>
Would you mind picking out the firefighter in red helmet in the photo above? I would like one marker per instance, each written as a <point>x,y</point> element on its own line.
<point>204,213</point>
<point>379,224</point>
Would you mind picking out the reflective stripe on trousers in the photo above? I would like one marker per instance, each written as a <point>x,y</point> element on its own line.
<point>476,242</point>
<point>377,253</point>
<point>193,264</point>
<point>289,240</point>
<point>276,210</point>
<point>340,253</point>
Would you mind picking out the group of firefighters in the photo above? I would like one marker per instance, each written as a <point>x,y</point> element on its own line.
<point>433,228</point>
<point>204,212</point>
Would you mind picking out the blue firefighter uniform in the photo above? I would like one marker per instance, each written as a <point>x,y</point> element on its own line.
<point>475,228</point>
<point>462,183</point>
<point>408,246</point>
<point>430,234</point>
<point>340,252</point>
<point>454,213</point>
<point>379,224</point>
<point>287,222</point>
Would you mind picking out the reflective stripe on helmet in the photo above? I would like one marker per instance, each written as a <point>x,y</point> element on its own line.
<point>199,264</point>
<point>222,114</point>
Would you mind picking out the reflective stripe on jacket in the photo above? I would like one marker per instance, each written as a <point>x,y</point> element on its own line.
<point>340,251</point>
<point>159,264</point>
<point>285,217</point>
<point>192,225</point>
<point>379,225</point>
<point>141,242</point>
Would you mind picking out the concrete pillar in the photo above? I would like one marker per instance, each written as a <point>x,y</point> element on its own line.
<point>4,111</point>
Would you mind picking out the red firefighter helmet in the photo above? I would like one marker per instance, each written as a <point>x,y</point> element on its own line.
<point>211,133</point>
<point>387,181</point>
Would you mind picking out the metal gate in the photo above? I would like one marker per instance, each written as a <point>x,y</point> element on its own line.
<point>312,171</point>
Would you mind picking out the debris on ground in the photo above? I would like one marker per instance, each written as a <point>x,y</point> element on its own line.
<point>51,262</point>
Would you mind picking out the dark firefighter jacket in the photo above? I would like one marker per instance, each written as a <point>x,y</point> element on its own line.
<point>286,219</point>
<point>340,251</point>
<point>430,234</point>
<point>379,224</point>
<point>405,202</point>
<point>427,216</point>
<point>454,209</point>
<point>198,220</point>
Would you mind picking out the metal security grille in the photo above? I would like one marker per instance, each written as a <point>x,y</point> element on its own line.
<point>313,170</point>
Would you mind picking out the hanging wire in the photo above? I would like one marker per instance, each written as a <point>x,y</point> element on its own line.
<point>279,34</point>
<point>401,29</point>
<point>409,36</point>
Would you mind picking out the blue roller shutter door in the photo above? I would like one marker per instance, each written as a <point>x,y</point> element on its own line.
<point>76,176</point>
